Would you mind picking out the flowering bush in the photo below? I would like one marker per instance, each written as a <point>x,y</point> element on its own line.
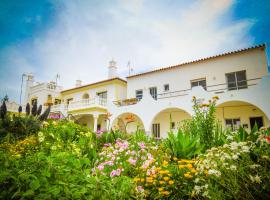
<point>62,160</point>
<point>124,158</point>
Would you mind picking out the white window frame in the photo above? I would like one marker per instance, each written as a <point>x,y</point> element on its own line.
<point>154,92</point>
<point>164,87</point>
<point>234,126</point>
<point>139,97</point>
<point>156,130</point>
<point>198,83</point>
<point>236,82</point>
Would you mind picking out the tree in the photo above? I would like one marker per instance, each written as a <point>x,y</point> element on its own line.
<point>5,98</point>
<point>34,109</point>
<point>3,110</point>
<point>45,115</point>
<point>20,109</point>
<point>27,109</point>
<point>39,110</point>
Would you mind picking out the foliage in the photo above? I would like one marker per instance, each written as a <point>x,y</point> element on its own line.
<point>63,160</point>
<point>183,145</point>
<point>39,110</point>
<point>34,109</point>
<point>27,109</point>
<point>3,110</point>
<point>45,115</point>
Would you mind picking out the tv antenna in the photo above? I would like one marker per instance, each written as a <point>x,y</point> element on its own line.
<point>130,69</point>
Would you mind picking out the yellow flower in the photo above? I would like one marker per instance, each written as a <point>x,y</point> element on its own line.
<point>166,192</point>
<point>142,180</point>
<point>171,182</point>
<point>166,171</point>
<point>181,166</point>
<point>193,171</point>
<point>165,163</point>
<point>189,166</point>
<point>160,189</point>
<point>187,175</point>
<point>149,179</point>
<point>174,158</point>
<point>166,178</point>
<point>161,182</point>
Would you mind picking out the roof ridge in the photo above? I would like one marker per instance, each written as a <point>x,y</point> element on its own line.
<point>98,82</point>
<point>198,60</point>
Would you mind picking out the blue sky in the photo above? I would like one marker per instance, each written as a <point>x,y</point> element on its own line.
<point>78,38</point>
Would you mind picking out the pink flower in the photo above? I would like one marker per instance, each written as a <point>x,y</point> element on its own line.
<point>100,167</point>
<point>113,173</point>
<point>142,145</point>
<point>132,161</point>
<point>140,189</point>
<point>107,144</point>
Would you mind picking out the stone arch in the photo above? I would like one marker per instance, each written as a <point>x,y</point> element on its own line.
<point>160,123</point>
<point>242,112</point>
<point>127,122</point>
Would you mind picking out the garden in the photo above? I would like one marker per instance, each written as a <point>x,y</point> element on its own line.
<point>42,158</point>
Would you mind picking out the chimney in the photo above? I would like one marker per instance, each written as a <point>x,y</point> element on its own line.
<point>78,83</point>
<point>29,84</point>
<point>112,72</point>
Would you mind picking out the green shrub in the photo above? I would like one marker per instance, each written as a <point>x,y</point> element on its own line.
<point>183,145</point>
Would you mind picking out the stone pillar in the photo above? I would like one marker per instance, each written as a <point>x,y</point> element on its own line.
<point>95,122</point>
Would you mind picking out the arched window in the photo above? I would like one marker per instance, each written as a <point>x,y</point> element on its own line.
<point>85,96</point>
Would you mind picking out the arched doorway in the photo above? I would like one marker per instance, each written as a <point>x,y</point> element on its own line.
<point>85,120</point>
<point>233,114</point>
<point>166,120</point>
<point>128,122</point>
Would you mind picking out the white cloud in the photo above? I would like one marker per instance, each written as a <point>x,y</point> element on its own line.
<point>86,35</point>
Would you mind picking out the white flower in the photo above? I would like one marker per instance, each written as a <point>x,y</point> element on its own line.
<point>214,172</point>
<point>235,157</point>
<point>254,166</point>
<point>233,167</point>
<point>245,149</point>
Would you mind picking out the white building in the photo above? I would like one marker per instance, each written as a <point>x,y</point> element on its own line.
<point>154,99</point>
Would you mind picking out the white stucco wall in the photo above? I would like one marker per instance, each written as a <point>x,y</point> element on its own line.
<point>253,61</point>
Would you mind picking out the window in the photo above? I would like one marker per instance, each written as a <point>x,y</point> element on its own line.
<point>33,101</point>
<point>173,125</point>
<point>156,130</point>
<point>234,124</point>
<point>166,87</point>
<point>236,80</point>
<point>199,82</point>
<point>57,101</point>
<point>139,94</point>
<point>153,92</point>
<point>102,95</point>
<point>69,100</point>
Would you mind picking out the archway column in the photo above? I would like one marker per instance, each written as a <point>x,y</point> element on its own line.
<point>95,116</point>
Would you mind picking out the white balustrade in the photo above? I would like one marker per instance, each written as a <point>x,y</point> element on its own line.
<point>81,104</point>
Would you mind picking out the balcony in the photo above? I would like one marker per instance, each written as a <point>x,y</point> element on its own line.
<point>215,89</point>
<point>81,104</point>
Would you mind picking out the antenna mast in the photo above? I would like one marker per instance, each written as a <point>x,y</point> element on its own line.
<point>130,69</point>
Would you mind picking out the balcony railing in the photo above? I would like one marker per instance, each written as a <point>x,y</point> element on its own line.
<point>81,104</point>
<point>216,89</point>
<point>126,102</point>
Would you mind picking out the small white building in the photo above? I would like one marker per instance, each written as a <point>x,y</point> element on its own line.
<point>154,99</point>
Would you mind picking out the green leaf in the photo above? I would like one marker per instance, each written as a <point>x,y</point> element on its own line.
<point>34,184</point>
